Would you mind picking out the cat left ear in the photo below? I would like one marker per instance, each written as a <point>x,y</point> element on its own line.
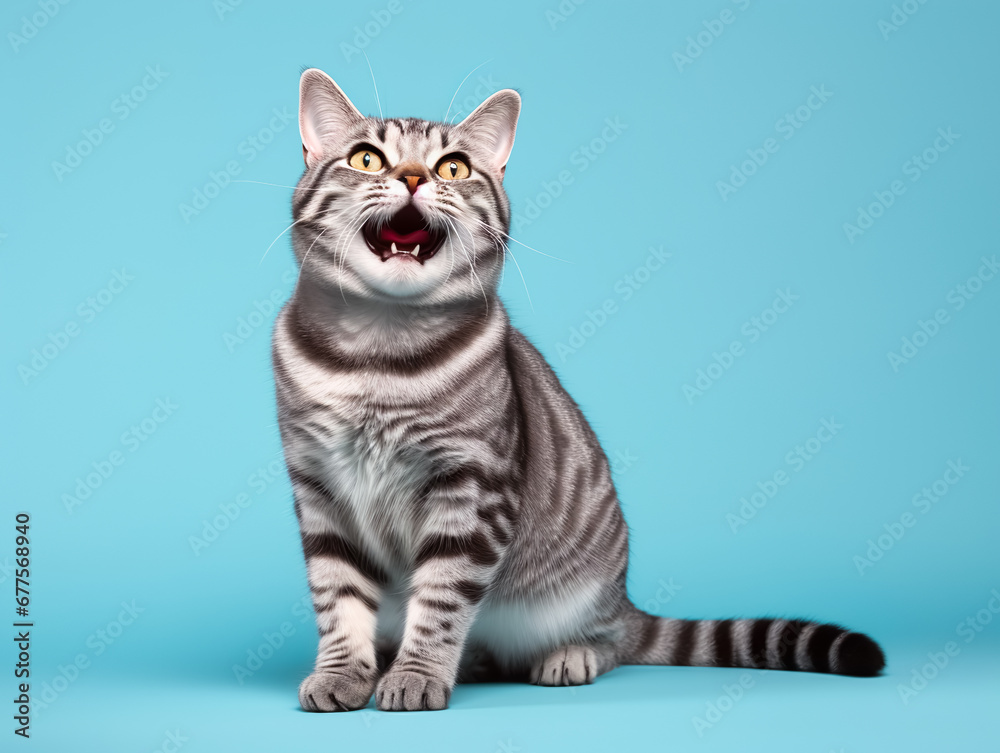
<point>325,113</point>
<point>493,124</point>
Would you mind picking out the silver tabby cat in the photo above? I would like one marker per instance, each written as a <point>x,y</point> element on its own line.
<point>458,517</point>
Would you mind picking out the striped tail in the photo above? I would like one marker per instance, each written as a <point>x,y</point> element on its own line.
<point>757,644</point>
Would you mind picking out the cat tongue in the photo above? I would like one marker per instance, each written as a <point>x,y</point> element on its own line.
<point>388,235</point>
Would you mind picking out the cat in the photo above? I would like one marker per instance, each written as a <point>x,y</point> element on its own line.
<point>457,513</point>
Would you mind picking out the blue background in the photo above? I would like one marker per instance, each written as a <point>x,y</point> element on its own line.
<point>684,462</point>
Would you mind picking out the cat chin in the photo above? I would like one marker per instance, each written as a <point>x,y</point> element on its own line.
<point>402,278</point>
<point>439,281</point>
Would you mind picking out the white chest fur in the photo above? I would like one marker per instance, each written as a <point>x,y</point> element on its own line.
<point>378,476</point>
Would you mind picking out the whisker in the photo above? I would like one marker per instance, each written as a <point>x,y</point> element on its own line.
<point>448,112</point>
<point>341,259</point>
<point>497,246</point>
<point>497,240</point>
<point>452,267</point>
<point>495,230</point>
<point>377,100</point>
<point>472,265</point>
<point>302,219</point>
<point>564,261</point>
<point>496,236</point>
<point>366,212</point>
<point>472,269</point>
<point>306,257</point>
<point>501,248</point>
<point>514,259</point>
<point>472,239</point>
<point>280,185</point>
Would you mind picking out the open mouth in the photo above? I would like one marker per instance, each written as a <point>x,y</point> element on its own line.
<point>405,236</point>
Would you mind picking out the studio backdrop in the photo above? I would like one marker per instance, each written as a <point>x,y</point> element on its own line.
<point>756,241</point>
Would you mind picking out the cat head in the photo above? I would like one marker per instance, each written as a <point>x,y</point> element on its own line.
<point>400,208</point>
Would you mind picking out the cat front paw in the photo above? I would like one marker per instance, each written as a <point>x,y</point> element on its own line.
<point>334,691</point>
<point>402,690</point>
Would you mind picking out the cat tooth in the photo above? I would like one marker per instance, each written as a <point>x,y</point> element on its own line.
<point>394,249</point>
<point>416,250</point>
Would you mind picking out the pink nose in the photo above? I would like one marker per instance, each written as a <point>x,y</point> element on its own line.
<point>412,182</point>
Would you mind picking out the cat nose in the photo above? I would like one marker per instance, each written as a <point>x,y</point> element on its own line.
<point>412,173</point>
<point>412,182</point>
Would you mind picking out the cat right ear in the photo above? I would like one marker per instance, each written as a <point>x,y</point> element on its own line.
<point>325,113</point>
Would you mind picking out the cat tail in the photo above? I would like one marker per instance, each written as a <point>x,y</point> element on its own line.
<point>758,644</point>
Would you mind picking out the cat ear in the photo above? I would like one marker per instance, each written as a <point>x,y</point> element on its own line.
<point>493,123</point>
<point>325,113</point>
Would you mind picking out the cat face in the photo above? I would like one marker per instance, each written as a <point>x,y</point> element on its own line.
<point>402,209</point>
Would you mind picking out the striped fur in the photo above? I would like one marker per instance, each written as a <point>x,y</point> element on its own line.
<point>458,518</point>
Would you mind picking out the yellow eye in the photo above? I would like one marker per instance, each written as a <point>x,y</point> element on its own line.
<point>452,168</point>
<point>366,159</point>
